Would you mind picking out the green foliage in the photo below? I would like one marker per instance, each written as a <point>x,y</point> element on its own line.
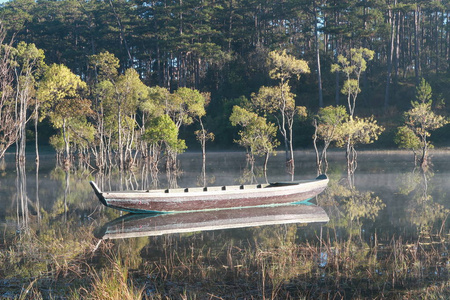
<point>106,65</point>
<point>363,205</point>
<point>162,129</point>
<point>185,105</point>
<point>80,133</point>
<point>28,56</point>
<point>329,119</point>
<point>420,120</point>
<point>405,138</point>
<point>241,116</point>
<point>284,66</point>
<point>353,66</point>
<point>57,142</point>
<point>424,92</point>
<point>271,100</point>
<point>358,131</point>
<point>203,136</point>
<point>60,93</point>
<point>156,102</point>
<point>167,112</point>
<point>224,49</point>
<point>278,101</point>
<point>257,135</point>
<point>129,90</point>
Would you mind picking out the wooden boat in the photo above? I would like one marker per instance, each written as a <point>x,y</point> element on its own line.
<point>141,225</point>
<point>210,198</point>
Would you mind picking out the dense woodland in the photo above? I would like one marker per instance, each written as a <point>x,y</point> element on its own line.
<point>141,69</point>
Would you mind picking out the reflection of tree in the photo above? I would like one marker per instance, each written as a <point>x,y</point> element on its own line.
<point>69,191</point>
<point>424,212</point>
<point>202,180</point>
<point>251,172</point>
<point>362,205</point>
<point>172,176</point>
<point>22,197</point>
<point>349,207</point>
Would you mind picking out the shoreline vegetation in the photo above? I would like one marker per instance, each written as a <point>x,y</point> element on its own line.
<point>263,88</point>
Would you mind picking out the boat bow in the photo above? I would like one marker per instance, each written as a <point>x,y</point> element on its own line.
<point>99,193</point>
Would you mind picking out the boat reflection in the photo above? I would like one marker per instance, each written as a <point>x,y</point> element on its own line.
<point>141,225</point>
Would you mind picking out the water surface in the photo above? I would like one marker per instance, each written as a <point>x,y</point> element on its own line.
<point>387,236</point>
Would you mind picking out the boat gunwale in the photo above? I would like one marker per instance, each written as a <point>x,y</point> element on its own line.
<point>213,190</point>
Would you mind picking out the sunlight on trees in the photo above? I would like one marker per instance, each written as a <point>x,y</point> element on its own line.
<point>62,101</point>
<point>355,130</point>
<point>29,68</point>
<point>118,97</point>
<point>8,124</point>
<point>352,67</point>
<point>327,125</point>
<point>419,121</point>
<point>257,135</point>
<point>278,101</point>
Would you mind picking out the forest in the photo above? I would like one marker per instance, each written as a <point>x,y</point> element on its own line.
<point>116,79</point>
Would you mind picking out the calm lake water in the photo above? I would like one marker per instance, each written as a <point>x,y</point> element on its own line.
<point>386,238</point>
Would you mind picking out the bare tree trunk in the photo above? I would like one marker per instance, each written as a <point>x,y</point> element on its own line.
<point>318,162</point>
<point>122,33</point>
<point>390,58</point>
<point>416,44</point>
<point>36,139</point>
<point>8,125</point>
<point>66,144</point>
<point>120,146</point>
<point>319,72</point>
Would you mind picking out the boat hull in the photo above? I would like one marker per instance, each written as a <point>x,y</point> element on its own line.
<point>212,198</point>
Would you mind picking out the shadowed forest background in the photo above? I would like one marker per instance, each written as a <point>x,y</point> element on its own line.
<point>220,49</point>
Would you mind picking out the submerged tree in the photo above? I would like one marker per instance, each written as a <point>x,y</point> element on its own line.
<point>420,120</point>
<point>162,132</point>
<point>202,135</point>
<point>117,100</point>
<point>128,91</point>
<point>29,65</point>
<point>61,95</point>
<point>257,135</point>
<point>278,101</point>
<point>355,130</point>
<point>8,124</point>
<point>327,125</point>
<point>405,138</point>
<point>181,107</point>
<point>184,107</point>
<point>153,110</point>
